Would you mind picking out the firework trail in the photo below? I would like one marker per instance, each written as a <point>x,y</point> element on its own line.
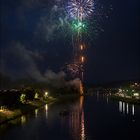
<point>79,11</point>
<point>76,21</point>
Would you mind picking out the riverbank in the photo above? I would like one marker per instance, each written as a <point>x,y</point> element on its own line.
<point>13,113</point>
<point>7,115</point>
<point>124,99</point>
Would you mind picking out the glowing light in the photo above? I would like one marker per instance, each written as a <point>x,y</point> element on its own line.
<point>74,68</point>
<point>2,108</point>
<point>23,98</point>
<point>82,123</point>
<point>46,94</point>
<point>136,94</point>
<point>82,126</point>
<point>78,12</point>
<point>123,107</point>
<point>36,113</point>
<point>36,95</point>
<point>120,90</point>
<point>136,84</point>
<point>133,110</point>
<point>23,119</point>
<point>80,9</point>
<point>81,47</point>
<point>81,88</point>
<point>78,26</point>
<point>127,109</point>
<point>46,109</point>
<point>82,59</point>
<point>120,106</point>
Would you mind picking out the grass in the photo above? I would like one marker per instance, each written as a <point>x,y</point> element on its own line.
<point>21,109</point>
<point>6,115</point>
<point>12,113</point>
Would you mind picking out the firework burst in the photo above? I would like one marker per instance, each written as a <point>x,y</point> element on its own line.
<point>80,9</point>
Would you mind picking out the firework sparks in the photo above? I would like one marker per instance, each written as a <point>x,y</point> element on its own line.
<point>79,26</point>
<point>78,12</point>
<point>74,68</point>
<point>80,9</point>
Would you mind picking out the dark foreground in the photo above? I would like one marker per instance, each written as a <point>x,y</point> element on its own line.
<point>89,118</point>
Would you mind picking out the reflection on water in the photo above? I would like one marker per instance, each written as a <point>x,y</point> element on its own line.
<point>23,119</point>
<point>81,88</point>
<point>36,113</point>
<point>46,109</point>
<point>107,99</point>
<point>82,126</point>
<point>82,118</point>
<point>125,108</point>
<point>77,122</point>
<point>120,106</point>
<point>85,120</point>
<point>133,110</point>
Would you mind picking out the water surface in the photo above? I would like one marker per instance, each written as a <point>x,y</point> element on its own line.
<point>90,118</point>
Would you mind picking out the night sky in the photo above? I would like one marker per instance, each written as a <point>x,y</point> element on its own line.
<point>35,38</point>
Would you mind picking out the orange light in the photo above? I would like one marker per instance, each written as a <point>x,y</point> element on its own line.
<point>82,59</point>
<point>81,88</point>
<point>81,47</point>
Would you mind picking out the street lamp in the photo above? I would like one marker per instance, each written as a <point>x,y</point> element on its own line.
<point>46,94</point>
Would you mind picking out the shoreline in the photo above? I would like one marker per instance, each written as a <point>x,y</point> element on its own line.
<point>124,99</point>
<point>36,104</point>
<point>24,109</point>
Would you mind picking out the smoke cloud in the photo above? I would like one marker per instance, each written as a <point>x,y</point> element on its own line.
<point>53,25</point>
<point>17,61</point>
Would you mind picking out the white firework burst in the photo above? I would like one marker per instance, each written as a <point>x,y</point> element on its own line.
<point>80,9</point>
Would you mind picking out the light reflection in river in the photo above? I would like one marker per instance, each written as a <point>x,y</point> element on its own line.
<point>77,120</point>
<point>46,109</point>
<point>133,110</point>
<point>83,121</point>
<point>120,106</point>
<point>82,118</point>
<point>125,108</point>
<point>23,119</point>
<point>107,99</point>
<point>36,113</point>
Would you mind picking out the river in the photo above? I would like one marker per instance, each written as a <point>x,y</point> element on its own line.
<point>93,117</point>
